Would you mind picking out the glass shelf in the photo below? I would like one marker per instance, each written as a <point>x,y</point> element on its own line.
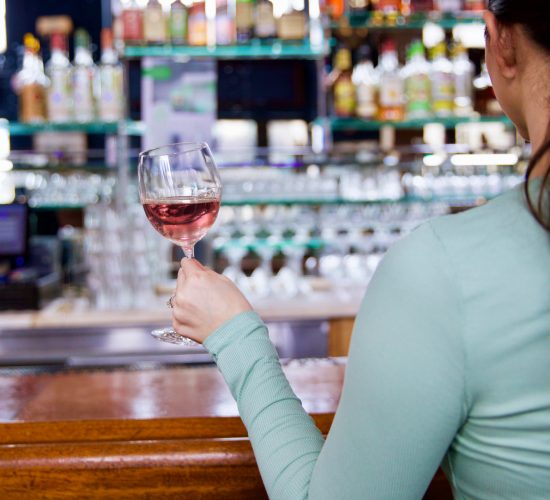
<point>359,125</point>
<point>259,50</point>
<point>16,128</point>
<point>413,22</point>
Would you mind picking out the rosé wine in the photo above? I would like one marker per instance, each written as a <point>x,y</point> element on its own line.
<point>183,220</point>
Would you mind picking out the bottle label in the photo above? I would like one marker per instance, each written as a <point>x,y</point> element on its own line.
<point>59,96</point>
<point>391,92</point>
<point>83,94</point>
<point>154,26</point>
<point>418,94</point>
<point>265,22</point>
<point>344,97</point>
<point>132,25</point>
<point>178,25</point>
<point>111,98</point>
<point>443,92</point>
<point>32,103</point>
<point>197,29</point>
<point>366,101</point>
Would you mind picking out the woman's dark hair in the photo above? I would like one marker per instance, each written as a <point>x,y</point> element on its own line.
<point>534,17</point>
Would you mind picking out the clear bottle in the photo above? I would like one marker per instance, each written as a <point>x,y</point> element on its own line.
<point>443,85</point>
<point>197,32</point>
<point>111,90</point>
<point>132,23</point>
<point>245,20</point>
<point>343,90</point>
<point>365,79</point>
<point>59,70</point>
<point>154,24</point>
<point>178,23</point>
<point>225,23</point>
<point>463,70</point>
<point>392,89</point>
<point>266,28</point>
<point>84,75</point>
<point>31,83</point>
<point>418,91</point>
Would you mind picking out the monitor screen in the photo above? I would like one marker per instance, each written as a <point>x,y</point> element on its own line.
<point>13,230</point>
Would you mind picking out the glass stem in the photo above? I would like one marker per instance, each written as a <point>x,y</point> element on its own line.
<point>189,252</point>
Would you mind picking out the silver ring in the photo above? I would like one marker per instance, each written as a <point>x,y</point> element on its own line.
<point>169,303</point>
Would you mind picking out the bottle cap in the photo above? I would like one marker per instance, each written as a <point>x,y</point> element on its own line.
<point>388,45</point>
<point>58,42</point>
<point>416,48</point>
<point>31,43</point>
<point>81,37</point>
<point>106,38</point>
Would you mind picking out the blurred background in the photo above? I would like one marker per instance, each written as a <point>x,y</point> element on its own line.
<point>338,126</point>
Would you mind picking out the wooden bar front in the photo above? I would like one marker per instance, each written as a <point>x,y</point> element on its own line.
<point>149,433</point>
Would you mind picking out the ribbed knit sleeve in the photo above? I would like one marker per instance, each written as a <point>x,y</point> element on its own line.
<point>404,392</point>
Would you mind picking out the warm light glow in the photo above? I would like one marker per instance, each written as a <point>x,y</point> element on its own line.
<point>432,34</point>
<point>7,188</point>
<point>470,35</point>
<point>5,165</point>
<point>434,160</point>
<point>466,160</point>
<point>3,34</point>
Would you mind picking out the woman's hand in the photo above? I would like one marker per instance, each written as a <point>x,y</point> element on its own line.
<point>203,301</point>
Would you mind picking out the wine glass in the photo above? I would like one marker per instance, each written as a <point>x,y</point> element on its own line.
<point>180,190</point>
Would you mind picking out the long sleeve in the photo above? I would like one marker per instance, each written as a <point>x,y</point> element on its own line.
<point>404,395</point>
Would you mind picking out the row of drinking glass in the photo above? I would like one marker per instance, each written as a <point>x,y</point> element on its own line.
<point>342,244</point>
<point>354,184</point>
<point>122,256</point>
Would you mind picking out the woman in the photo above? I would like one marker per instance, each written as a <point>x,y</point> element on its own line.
<point>450,357</point>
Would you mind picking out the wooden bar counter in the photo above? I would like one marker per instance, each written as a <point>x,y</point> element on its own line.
<point>143,433</point>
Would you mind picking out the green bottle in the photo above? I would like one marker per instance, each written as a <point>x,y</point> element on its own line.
<point>416,74</point>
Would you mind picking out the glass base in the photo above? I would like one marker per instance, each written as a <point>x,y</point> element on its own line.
<point>169,335</point>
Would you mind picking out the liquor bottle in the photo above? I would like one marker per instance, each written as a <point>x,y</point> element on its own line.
<point>484,95</point>
<point>245,20</point>
<point>83,78</point>
<point>154,24</point>
<point>59,71</point>
<point>111,92</point>
<point>197,33</point>
<point>365,80</point>
<point>392,91</point>
<point>292,25</point>
<point>475,5</point>
<point>463,70</point>
<point>449,6</point>
<point>132,23</point>
<point>178,23</point>
<point>343,90</point>
<point>266,27</point>
<point>416,74</point>
<point>443,85</point>
<point>225,23</point>
<point>31,82</point>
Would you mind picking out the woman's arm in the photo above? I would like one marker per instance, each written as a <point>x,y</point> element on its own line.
<point>403,398</point>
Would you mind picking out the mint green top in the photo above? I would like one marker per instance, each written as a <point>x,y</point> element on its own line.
<point>449,364</point>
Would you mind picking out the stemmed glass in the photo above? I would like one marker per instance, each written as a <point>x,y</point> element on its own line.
<point>180,190</point>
